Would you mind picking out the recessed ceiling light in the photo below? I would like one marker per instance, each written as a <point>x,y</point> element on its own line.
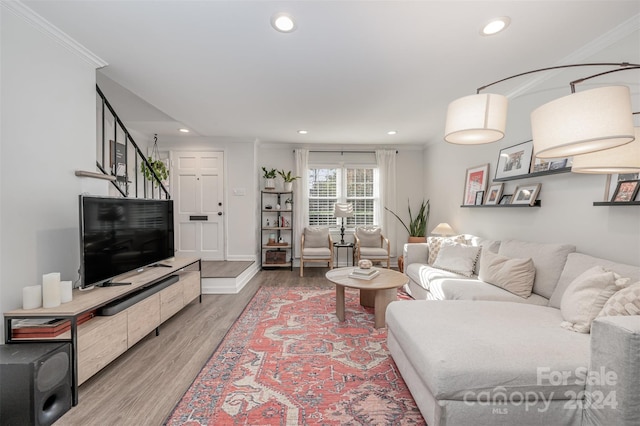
<point>302,132</point>
<point>184,130</point>
<point>283,22</point>
<point>392,132</point>
<point>496,25</point>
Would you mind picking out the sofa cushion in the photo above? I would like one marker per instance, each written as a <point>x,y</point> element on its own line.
<point>315,237</point>
<point>435,243</point>
<point>514,275</point>
<point>586,296</point>
<point>577,263</point>
<point>548,259</point>
<point>470,289</point>
<point>458,258</point>
<point>623,302</point>
<point>424,274</point>
<point>493,347</point>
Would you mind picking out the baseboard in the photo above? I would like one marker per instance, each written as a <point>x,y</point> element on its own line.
<point>229,285</point>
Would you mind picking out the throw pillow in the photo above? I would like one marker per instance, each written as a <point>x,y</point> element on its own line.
<point>316,237</point>
<point>369,237</point>
<point>514,275</point>
<point>434,244</point>
<point>623,302</point>
<point>457,258</point>
<point>585,297</point>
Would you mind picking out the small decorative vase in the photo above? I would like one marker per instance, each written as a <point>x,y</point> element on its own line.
<point>287,206</point>
<point>288,186</point>
<point>365,264</point>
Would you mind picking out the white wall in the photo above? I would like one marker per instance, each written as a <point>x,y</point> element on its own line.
<point>48,129</point>
<point>239,178</point>
<point>567,214</point>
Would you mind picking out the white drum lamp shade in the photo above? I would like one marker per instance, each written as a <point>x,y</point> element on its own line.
<point>621,159</point>
<point>583,122</point>
<point>476,119</point>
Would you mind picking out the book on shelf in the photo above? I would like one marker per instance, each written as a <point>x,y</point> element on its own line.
<point>44,327</point>
<point>363,276</point>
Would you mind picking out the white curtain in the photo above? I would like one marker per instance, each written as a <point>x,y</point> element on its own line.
<point>386,160</point>
<point>300,197</point>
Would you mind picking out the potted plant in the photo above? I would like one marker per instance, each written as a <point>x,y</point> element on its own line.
<point>288,179</point>
<point>158,166</point>
<point>288,203</point>
<point>417,228</point>
<point>270,178</point>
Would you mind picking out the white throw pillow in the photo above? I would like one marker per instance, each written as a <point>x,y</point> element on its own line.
<point>623,302</point>
<point>514,275</point>
<point>434,244</point>
<point>458,258</point>
<point>585,297</point>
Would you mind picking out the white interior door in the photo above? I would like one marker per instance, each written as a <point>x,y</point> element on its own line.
<point>198,204</point>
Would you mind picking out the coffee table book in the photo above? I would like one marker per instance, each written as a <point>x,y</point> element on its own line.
<point>364,274</point>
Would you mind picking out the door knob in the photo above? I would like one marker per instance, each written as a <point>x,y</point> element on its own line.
<point>219,213</point>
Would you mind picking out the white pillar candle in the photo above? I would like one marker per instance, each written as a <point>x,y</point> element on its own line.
<point>66,291</point>
<point>51,290</point>
<point>32,297</point>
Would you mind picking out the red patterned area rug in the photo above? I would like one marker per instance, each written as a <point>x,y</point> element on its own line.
<point>288,361</point>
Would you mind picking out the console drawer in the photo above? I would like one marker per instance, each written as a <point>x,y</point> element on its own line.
<point>190,286</point>
<point>142,318</point>
<point>100,341</point>
<point>170,301</point>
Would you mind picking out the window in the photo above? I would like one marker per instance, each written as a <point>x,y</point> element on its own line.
<point>357,186</point>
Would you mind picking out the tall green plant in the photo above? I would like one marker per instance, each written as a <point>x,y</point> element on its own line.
<point>418,225</point>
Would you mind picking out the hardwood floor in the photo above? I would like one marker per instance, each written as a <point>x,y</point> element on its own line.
<point>143,385</point>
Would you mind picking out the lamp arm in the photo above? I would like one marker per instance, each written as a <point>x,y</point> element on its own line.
<point>612,64</point>
<point>580,80</point>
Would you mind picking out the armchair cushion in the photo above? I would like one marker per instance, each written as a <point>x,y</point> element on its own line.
<point>316,237</point>
<point>369,237</point>
<point>373,252</point>
<point>316,252</point>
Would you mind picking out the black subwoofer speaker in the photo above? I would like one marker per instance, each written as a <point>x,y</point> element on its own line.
<point>35,383</point>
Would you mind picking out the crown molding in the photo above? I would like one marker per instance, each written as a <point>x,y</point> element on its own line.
<point>30,16</point>
<point>618,33</point>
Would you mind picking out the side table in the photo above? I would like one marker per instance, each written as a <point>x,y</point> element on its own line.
<point>337,247</point>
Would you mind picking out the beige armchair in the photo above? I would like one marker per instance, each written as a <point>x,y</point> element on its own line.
<point>316,245</point>
<point>371,244</point>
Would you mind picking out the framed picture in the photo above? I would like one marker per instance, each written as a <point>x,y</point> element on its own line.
<point>526,194</point>
<point>506,199</point>
<point>479,197</point>
<point>626,191</point>
<point>515,160</point>
<point>558,164</point>
<point>475,180</point>
<point>494,193</point>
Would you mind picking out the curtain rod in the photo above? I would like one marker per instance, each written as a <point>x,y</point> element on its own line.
<point>348,152</point>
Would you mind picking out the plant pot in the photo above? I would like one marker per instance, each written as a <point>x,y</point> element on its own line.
<point>288,186</point>
<point>416,240</point>
<point>287,206</point>
<point>269,184</point>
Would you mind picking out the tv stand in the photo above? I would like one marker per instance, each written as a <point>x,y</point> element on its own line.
<point>120,315</point>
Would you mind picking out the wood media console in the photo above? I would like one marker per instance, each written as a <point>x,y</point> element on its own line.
<point>120,316</point>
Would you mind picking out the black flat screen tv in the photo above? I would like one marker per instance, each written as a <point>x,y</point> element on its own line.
<point>120,235</point>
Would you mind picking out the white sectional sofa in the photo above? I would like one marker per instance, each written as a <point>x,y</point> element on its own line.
<point>473,353</point>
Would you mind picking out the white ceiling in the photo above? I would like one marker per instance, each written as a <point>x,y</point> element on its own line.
<point>351,71</point>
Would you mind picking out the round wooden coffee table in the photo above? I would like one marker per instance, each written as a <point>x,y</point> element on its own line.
<point>376,293</point>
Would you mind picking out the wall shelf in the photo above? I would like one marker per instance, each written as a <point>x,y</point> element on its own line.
<point>535,174</point>
<point>609,203</point>
<point>538,203</point>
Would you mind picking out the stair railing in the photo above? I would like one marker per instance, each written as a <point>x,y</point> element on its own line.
<point>115,155</point>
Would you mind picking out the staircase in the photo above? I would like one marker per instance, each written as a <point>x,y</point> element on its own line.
<point>118,155</point>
